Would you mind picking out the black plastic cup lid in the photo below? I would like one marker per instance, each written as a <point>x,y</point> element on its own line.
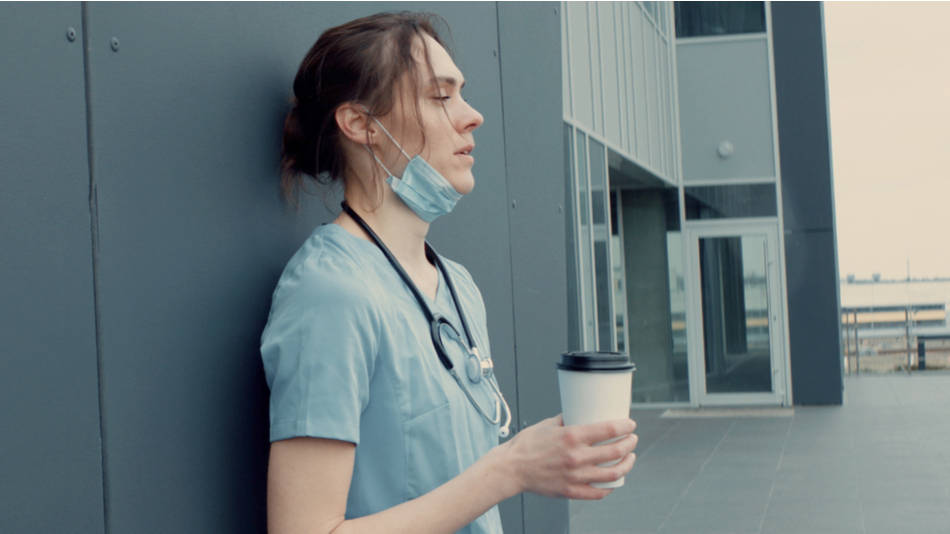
<point>596,361</point>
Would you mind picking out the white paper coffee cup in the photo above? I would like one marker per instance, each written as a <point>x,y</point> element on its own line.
<point>596,386</point>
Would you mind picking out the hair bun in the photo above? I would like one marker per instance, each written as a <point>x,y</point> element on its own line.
<point>298,152</point>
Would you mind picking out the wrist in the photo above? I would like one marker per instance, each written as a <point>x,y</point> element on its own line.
<point>503,470</point>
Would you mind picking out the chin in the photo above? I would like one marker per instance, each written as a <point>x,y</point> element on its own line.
<point>464,184</point>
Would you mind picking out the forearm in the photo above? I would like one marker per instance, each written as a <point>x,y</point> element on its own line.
<point>449,507</point>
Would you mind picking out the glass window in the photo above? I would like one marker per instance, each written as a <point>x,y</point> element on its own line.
<point>598,182</point>
<point>735,314</point>
<point>655,293</point>
<point>584,248</point>
<point>727,201</point>
<point>619,289</point>
<point>574,322</point>
<point>600,217</point>
<point>628,267</point>
<point>605,322</point>
<point>694,19</point>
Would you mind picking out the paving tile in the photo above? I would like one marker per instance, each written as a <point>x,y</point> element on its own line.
<point>727,487</point>
<point>913,515</point>
<point>899,490</point>
<point>813,515</point>
<point>643,515</point>
<point>767,461</point>
<point>664,463</point>
<point>715,517</point>
<point>656,493</point>
<point>821,447</point>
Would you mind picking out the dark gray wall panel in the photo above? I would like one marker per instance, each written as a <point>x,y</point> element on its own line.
<point>802,109</point>
<point>808,203</point>
<point>813,318</point>
<point>186,122</point>
<point>186,118</point>
<point>50,458</point>
<point>531,80</point>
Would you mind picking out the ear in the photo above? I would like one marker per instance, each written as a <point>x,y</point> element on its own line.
<point>354,123</point>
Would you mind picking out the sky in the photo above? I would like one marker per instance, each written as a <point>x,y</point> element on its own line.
<point>889,97</point>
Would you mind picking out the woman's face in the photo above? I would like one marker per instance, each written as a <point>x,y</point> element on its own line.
<point>447,121</point>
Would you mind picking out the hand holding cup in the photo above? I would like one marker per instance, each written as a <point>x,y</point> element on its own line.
<point>565,461</point>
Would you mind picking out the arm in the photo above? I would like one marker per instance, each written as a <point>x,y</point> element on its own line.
<point>309,479</point>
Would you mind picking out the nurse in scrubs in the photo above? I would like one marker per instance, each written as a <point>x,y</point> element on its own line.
<point>384,415</point>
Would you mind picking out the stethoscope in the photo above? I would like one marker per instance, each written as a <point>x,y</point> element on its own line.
<point>476,367</point>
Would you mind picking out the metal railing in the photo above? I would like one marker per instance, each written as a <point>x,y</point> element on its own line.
<point>892,330</point>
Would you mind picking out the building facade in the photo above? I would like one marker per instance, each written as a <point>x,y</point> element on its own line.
<point>678,248</point>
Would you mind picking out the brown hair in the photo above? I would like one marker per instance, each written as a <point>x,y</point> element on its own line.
<point>360,61</point>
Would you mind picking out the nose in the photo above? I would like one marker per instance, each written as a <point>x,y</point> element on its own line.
<point>470,119</point>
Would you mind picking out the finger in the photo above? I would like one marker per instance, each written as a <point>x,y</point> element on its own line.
<point>597,432</point>
<point>607,473</point>
<point>585,492</point>
<point>615,450</point>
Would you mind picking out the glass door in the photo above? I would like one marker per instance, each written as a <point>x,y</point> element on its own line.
<point>737,330</point>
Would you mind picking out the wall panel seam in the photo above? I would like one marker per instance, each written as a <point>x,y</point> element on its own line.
<point>511,258</point>
<point>94,232</point>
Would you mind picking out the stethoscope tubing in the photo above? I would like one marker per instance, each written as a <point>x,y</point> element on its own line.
<point>435,321</point>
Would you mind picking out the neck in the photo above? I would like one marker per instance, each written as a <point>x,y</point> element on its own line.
<point>399,228</point>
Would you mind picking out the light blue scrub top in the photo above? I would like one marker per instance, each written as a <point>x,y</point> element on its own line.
<point>348,356</point>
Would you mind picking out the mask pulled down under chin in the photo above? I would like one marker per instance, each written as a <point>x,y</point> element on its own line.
<point>424,190</point>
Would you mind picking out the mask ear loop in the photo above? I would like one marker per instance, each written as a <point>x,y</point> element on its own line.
<point>391,138</point>
<point>380,163</point>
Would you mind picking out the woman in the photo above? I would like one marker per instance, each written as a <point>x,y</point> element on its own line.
<point>377,422</point>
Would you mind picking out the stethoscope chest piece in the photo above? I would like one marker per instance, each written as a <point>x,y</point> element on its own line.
<point>477,367</point>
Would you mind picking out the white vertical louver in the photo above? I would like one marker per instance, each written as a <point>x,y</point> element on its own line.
<point>618,79</point>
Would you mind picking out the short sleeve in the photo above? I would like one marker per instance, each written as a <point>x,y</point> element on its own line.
<point>318,349</point>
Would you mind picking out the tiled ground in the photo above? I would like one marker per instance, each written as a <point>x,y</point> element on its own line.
<point>878,464</point>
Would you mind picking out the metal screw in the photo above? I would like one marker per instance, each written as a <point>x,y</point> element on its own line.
<point>115,44</point>
<point>71,33</point>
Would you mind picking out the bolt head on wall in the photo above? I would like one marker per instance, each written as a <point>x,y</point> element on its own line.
<point>725,149</point>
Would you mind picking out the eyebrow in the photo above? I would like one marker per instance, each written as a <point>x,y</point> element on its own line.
<point>449,80</point>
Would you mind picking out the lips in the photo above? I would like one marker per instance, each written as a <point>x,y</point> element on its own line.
<point>465,151</point>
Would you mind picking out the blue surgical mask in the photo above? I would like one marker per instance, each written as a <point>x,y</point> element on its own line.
<point>422,188</point>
